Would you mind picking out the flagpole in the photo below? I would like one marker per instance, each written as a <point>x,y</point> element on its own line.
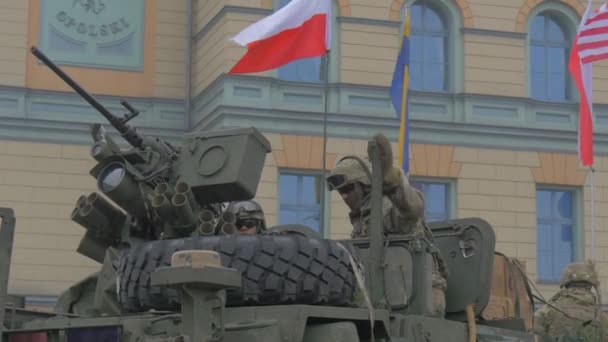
<point>592,213</point>
<point>403,129</point>
<point>325,111</point>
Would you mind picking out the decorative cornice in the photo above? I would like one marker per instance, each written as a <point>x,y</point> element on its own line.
<point>493,33</point>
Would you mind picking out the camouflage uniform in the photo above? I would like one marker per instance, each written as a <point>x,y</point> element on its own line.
<point>403,213</point>
<point>574,313</point>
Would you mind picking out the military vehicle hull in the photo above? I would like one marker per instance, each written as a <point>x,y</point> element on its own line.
<point>281,323</point>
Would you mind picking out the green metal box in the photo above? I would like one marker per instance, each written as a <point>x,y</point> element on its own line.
<point>223,166</point>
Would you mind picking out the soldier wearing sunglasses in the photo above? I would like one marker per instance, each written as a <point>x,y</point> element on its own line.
<point>402,206</point>
<point>249,217</point>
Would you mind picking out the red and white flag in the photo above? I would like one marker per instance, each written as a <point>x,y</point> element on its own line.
<point>300,29</point>
<point>590,44</point>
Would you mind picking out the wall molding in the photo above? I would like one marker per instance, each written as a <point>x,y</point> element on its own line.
<point>61,117</point>
<point>494,33</point>
<point>367,21</point>
<point>359,111</point>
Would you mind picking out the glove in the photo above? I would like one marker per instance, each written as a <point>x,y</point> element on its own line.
<point>392,176</point>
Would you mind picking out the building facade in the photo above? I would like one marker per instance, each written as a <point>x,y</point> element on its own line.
<point>493,116</point>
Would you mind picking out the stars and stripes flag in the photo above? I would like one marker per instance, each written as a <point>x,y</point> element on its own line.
<point>590,45</point>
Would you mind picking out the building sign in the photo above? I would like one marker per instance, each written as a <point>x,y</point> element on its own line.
<point>95,33</point>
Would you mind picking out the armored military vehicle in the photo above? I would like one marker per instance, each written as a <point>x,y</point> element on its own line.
<point>173,268</point>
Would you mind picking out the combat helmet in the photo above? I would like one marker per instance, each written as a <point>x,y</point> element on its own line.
<point>349,170</point>
<point>248,210</point>
<point>579,272</point>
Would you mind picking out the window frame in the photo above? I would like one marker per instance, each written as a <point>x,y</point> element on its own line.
<point>450,189</point>
<point>323,231</point>
<point>450,13</point>
<point>568,19</point>
<point>577,226</point>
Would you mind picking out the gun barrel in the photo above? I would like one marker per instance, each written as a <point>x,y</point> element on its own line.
<point>125,130</point>
<point>206,228</point>
<point>228,229</point>
<point>206,216</point>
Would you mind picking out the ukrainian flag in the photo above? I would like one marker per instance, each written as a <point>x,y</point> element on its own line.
<point>399,92</point>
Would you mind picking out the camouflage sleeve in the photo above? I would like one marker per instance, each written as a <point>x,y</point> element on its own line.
<point>408,202</point>
<point>540,320</point>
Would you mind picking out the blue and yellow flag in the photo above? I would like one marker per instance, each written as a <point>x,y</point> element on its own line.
<point>399,92</point>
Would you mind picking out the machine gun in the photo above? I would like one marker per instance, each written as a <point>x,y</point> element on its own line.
<point>127,177</point>
<point>164,192</point>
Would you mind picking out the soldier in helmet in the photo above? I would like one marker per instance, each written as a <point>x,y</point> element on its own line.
<point>249,217</point>
<point>574,313</point>
<point>402,206</point>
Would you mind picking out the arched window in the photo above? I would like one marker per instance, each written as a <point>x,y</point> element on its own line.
<point>549,50</point>
<point>303,70</point>
<point>428,57</point>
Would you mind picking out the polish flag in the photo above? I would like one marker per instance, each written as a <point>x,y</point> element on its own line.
<point>581,72</point>
<point>301,29</point>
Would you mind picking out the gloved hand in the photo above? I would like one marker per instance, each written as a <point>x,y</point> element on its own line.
<point>392,176</point>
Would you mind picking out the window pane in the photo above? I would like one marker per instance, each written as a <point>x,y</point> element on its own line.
<point>299,200</point>
<point>431,20</point>
<point>543,204</point>
<point>544,248</point>
<point>434,77</point>
<point>283,3</point>
<point>303,70</point>
<point>416,75</point>
<point>554,247</point>
<point>436,200</point>
<point>310,190</point>
<point>288,217</point>
<point>416,48</point>
<point>554,31</point>
<point>310,219</point>
<point>557,87</point>
<point>416,17</point>
<point>563,249</point>
<point>564,204</point>
<point>288,192</point>
<point>437,194</point>
<point>433,50</point>
<point>538,28</point>
<point>539,86</point>
<point>537,58</point>
<point>556,59</point>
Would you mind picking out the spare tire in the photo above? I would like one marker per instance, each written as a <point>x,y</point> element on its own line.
<point>275,270</point>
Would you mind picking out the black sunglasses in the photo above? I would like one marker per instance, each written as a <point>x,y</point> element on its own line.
<point>248,223</point>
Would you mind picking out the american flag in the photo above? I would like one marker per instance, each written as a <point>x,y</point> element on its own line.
<point>590,44</point>
<point>592,40</point>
